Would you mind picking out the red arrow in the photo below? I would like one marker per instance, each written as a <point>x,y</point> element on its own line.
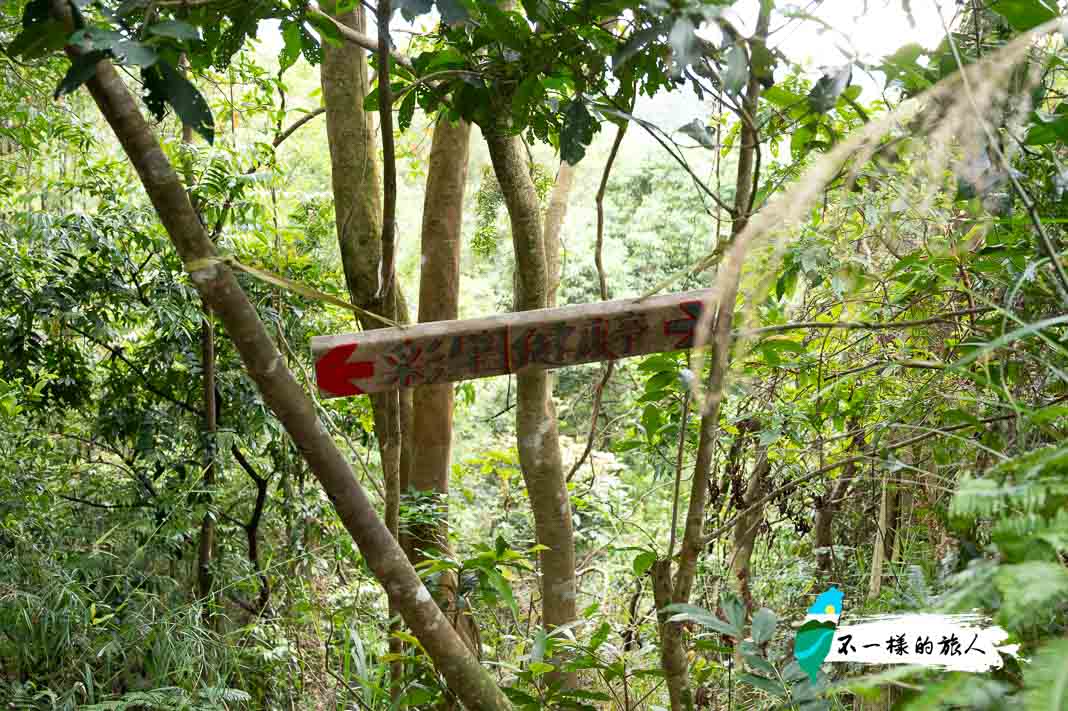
<point>334,373</point>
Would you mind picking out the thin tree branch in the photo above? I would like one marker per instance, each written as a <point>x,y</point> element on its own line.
<point>98,505</point>
<point>283,135</point>
<point>139,372</point>
<point>946,318</point>
<point>598,393</point>
<point>389,154</point>
<point>790,486</point>
<point>360,39</point>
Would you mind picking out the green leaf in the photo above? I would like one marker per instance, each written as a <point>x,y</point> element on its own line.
<point>764,623</point>
<point>175,29</point>
<point>1046,678</point>
<point>411,9</point>
<point>526,94</point>
<point>734,610</point>
<point>824,95</point>
<point>800,139</point>
<point>134,54</point>
<point>327,30</point>
<point>651,420</point>
<point>736,74</point>
<point>164,83</point>
<point>291,45</point>
<point>539,668</point>
<point>683,42</point>
<point>1048,129</point>
<point>635,44</point>
<point>407,110</point>
<point>1025,14</point>
<point>758,663</point>
<point>503,589</point>
<point>1030,591</point>
<point>599,636</point>
<point>770,686</point>
<point>452,11</point>
<point>660,381</point>
<point>82,69</point>
<point>310,47</point>
<point>643,562</point>
<point>38,40</point>
<point>700,132</point>
<point>761,60</point>
<point>541,640</point>
<point>682,612</point>
<point>577,132</point>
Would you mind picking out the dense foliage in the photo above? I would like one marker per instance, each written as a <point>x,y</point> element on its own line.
<point>893,422</point>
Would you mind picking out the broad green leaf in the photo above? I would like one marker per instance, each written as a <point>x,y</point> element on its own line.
<point>578,130</point>
<point>758,663</point>
<point>682,612</point>
<point>643,562</point>
<point>82,69</point>
<point>175,29</point>
<point>134,54</point>
<point>291,45</point>
<point>539,668</point>
<point>1045,679</point>
<point>169,85</point>
<point>770,686</point>
<point>824,95</point>
<point>501,586</point>
<point>1030,591</point>
<point>764,623</point>
<point>599,636</point>
<point>526,95</point>
<point>736,73</point>
<point>452,11</point>
<point>38,40</point>
<point>411,9</point>
<point>1025,14</point>
<point>733,610</point>
<point>683,42</point>
<point>407,110</point>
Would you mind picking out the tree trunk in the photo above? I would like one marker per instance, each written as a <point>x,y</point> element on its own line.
<point>883,546</point>
<point>693,539</point>
<point>206,548</point>
<point>357,192</point>
<point>828,506</point>
<point>747,527</point>
<point>536,424</point>
<point>672,655</point>
<point>219,288</point>
<point>439,299</point>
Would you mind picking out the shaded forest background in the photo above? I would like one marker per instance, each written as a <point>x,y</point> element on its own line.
<point>882,404</point>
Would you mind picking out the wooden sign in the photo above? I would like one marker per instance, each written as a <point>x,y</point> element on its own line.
<point>446,351</point>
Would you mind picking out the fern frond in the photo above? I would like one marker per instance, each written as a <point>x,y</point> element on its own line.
<point>1046,678</point>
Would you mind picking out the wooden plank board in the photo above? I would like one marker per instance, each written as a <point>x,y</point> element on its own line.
<point>447,351</point>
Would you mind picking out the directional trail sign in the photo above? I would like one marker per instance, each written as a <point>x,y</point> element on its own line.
<point>447,351</point>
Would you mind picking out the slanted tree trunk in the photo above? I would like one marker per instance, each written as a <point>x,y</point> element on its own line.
<point>217,285</point>
<point>536,424</point>
<point>439,300</point>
